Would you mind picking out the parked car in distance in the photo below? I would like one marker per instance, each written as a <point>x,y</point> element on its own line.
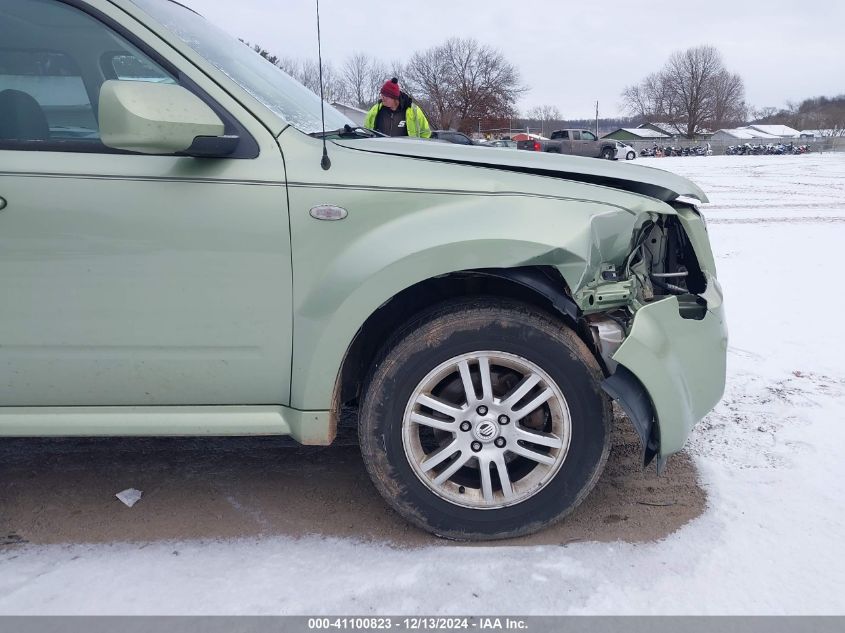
<point>572,142</point>
<point>212,257</point>
<point>504,144</point>
<point>624,151</point>
<point>452,136</point>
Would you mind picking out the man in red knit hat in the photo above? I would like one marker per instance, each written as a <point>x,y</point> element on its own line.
<point>397,114</point>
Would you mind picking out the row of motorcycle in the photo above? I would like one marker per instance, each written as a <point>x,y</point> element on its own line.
<point>770,148</point>
<point>695,150</point>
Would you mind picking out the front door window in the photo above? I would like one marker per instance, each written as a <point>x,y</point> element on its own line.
<point>53,60</point>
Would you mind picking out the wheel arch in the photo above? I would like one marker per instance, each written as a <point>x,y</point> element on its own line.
<point>605,147</point>
<point>542,287</point>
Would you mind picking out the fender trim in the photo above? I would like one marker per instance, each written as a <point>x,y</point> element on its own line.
<point>537,280</point>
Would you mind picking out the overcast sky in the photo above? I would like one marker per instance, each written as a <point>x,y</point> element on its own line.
<point>570,54</point>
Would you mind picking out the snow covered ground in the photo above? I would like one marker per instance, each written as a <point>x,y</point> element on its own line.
<point>772,540</point>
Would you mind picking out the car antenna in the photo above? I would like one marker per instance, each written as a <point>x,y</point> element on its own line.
<point>325,162</point>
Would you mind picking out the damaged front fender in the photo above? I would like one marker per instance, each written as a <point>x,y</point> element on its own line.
<point>669,371</point>
<point>681,363</point>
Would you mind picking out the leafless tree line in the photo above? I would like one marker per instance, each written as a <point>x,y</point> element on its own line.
<point>460,84</point>
<point>546,117</point>
<point>823,114</point>
<point>693,89</point>
<point>463,84</point>
<point>307,72</point>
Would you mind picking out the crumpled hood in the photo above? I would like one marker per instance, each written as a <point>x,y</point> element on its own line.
<point>648,181</point>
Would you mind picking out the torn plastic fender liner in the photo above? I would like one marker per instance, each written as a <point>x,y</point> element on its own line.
<point>628,391</point>
<point>538,281</point>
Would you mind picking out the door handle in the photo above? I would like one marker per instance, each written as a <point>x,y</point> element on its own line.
<point>2,203</point>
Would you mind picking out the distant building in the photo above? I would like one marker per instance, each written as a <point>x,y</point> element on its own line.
<point>637,134</point>
<point>669,129</point>
<point>744,134</point>
<point>674,130</point>
<point>757,133</point>
<point>781,131</point>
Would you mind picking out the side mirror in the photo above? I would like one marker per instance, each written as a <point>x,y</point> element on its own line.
<point>160,118</point>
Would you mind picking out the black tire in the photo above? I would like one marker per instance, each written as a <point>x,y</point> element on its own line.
<point>464,327</point>
<point>607,153</point>
<point>630,156</point>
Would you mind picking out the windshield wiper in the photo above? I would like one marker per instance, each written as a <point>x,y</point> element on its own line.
<point>347,131</point>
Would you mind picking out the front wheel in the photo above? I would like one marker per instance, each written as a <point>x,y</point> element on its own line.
<point>630,156</point>
<point>607,153</point>
<point>485,420</point>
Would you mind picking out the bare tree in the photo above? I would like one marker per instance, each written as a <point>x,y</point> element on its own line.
<point>729,107</point>
<point>462,83</point>
<point>393,68</point>
<point>651,98</point>
<point>427,79</point>
<point>382,72</point>
<point>291,66</point>
<point>764,112</point>
<point>379,73</point>
<point>307,72</point>
<point>362,78</point>
<point>356,77</point>
<point>693,89</point>
<point>544,114</point>
<point>334,89</point>
<point>688,75</point>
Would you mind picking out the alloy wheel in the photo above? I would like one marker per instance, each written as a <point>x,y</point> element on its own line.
<point>486,430</point>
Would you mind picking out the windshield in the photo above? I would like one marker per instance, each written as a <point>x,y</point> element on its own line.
<point>269,84</point>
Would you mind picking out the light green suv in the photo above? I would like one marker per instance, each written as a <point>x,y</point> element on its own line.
<point>179,259</point>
